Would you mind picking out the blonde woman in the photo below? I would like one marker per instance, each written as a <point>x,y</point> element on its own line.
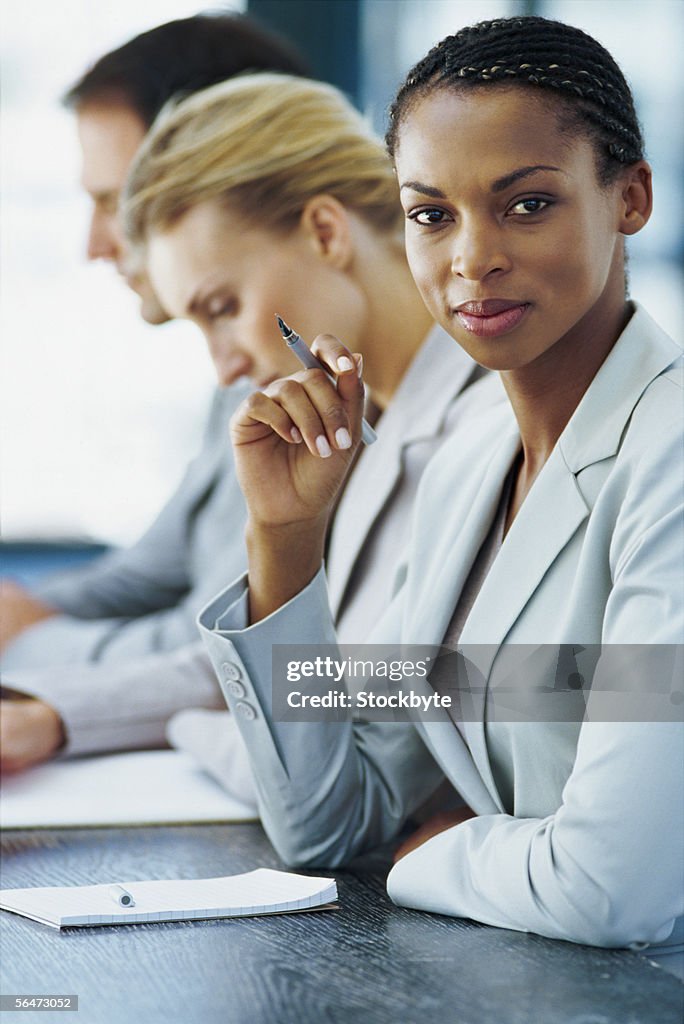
<point>267,195</point>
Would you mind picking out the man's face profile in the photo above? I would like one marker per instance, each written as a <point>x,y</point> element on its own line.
<point>109,135</point>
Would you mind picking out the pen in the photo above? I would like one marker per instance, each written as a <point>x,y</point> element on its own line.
<point>122,896</point>
<point>309,360</point>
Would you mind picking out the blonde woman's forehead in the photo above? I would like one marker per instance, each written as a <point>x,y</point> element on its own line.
<point>208,247</point>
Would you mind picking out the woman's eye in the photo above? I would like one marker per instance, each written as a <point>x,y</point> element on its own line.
<point>524,207</point>
<point>427,216</point>
<point>221,307</point>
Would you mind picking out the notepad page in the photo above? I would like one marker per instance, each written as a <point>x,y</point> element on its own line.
<point>262,891</point>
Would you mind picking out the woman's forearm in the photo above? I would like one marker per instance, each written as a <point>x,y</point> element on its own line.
<point>282,561</point>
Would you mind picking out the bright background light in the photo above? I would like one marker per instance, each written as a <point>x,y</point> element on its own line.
<point>100,412</point>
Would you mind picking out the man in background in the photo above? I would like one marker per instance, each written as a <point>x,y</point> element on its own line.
<point>99,658</point>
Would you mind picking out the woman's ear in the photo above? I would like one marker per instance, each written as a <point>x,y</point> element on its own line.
<point>327,225</point>
<point>636,198</point>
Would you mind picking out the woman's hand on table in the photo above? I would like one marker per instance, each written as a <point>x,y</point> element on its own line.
<point>31,731</point>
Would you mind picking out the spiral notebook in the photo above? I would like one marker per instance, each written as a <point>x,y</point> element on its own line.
<point>263,891</point>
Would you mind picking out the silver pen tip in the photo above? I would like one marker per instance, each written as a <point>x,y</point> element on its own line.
<point>284,329</point>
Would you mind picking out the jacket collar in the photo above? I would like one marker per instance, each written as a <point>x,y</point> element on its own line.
<point>437,374</point>
<point>640,354</point>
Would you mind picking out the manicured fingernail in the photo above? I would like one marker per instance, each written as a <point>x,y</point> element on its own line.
<point>344,363</point>
<point>359,364</point>
<point>342,438</point>
<point>324,449</point>
<point>295,435</point>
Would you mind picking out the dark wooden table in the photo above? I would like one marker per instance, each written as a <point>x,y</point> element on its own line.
<point>366,963</point>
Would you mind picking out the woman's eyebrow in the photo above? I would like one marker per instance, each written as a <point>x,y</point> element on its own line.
<point>501,184</point>
<point>427,190</point>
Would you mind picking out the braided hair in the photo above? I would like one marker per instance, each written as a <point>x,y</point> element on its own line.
<point>533,52</point>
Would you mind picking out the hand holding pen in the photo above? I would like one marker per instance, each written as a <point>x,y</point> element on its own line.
<point>309,360</point>
<point>293,444</point>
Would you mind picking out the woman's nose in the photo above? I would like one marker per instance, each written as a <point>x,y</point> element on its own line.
<point>478,252</point>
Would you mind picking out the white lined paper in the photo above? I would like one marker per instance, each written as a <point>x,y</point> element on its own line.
<point>263,891</point>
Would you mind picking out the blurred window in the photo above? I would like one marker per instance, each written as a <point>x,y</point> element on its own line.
<point>100,412</point>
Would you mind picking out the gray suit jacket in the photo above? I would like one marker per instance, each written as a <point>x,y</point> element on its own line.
<point>593,852</point>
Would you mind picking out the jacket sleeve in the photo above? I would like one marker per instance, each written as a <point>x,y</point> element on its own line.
<point>574,874</point>
<point>124,706</point>
<point>329,789</point>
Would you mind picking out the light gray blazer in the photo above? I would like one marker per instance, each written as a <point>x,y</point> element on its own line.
<point>594,850</point>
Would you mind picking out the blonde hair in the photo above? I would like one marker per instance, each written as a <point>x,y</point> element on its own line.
<point>264,144</point>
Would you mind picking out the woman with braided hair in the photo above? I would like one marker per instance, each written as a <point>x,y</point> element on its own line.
<point>548,550</point>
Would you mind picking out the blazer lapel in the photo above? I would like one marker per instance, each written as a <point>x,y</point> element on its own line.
<point>556,504</point>
<point>524,558</point>
<point>370,483</point>
<point>454,524</point>
<point>444,567</point>
<point>438,373</point>
<point>432,599</point>
<point>532,544</point>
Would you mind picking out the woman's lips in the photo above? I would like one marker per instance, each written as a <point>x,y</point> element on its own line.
<point>492,317</point>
